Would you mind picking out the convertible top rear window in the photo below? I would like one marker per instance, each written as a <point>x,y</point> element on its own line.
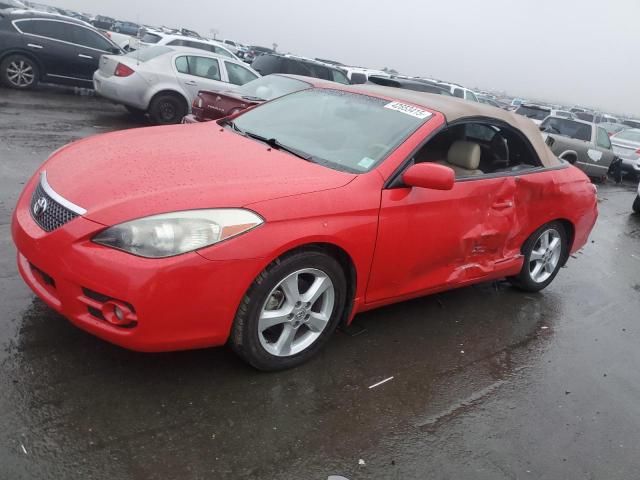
<point>341,130</point>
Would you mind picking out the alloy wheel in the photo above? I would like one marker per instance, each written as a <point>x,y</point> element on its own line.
<point>296,312</point>
<point>545,255</point>
<point>167,111</point>
<point>20,73</point>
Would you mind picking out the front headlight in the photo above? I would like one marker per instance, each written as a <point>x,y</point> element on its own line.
<point>170,234</point>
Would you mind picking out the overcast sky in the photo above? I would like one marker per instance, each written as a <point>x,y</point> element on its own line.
<point>570,51</point>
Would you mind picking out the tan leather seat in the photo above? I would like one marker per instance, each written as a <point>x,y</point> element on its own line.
<point>463,158</point>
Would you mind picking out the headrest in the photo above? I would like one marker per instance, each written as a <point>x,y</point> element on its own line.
<point>464,154</point>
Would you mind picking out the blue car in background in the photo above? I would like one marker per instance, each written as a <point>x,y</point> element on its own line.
<point>128,28</point>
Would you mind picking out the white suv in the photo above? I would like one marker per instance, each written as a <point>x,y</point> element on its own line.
<point>460,91</point>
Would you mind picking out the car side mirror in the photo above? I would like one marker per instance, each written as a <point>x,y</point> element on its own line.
<point>429,175</point>
<point>542,129</point>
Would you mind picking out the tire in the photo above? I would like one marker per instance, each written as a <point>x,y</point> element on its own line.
<point>264,347</point>
<point>19,72</point>
<point>531,280</point>
<point>636,204</point>
<point>166,109</point>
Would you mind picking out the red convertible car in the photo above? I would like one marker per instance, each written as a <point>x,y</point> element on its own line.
<point>269,229</point>
<point>211,105</point>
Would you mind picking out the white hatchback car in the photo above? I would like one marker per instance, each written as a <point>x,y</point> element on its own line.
<point>163,81</point>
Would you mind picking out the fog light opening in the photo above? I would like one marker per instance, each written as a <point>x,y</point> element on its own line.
<point>118,314</point>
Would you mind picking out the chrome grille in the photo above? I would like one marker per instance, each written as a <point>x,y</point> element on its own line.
<point>54,215</point>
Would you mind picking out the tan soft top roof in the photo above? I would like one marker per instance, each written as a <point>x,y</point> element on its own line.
<point>454,108</point>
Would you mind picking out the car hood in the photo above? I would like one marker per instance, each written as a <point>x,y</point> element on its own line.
<point>134,173</point>
<point>619,142</point>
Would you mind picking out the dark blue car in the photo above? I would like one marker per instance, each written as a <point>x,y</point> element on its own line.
<point>128,28</point>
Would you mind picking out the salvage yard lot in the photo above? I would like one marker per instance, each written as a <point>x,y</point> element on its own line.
<point>488,382</point>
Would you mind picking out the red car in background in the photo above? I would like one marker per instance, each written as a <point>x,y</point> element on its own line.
<point>268,230</point>
<point>211,105</point>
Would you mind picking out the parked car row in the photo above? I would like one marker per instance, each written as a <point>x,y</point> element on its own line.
<point>163,81</point>
<point>38,47</point>
<point>177,76</point>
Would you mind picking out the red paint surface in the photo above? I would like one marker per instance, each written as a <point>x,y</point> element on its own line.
<point>403,242</point>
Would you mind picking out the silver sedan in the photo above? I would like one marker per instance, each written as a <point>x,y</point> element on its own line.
<point>626,145</point>
<point>163,81</point>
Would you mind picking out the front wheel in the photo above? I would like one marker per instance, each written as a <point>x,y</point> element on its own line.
<point>290,311</point>
<point>543,253</point>
<point>636,204</point>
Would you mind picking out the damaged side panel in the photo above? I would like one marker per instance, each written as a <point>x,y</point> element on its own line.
<point>428,238</point>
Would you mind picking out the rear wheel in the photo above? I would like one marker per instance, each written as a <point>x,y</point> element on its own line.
<point>290,311</point>
<point>166,109</point>
<point>636,204</point>
<point>18,71</point>
<point>544,253</point>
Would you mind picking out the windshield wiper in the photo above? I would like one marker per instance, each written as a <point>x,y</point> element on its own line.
<point>232,124</point>
<point>274,143</point>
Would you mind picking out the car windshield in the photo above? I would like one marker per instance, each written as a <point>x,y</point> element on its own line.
<point>341,130</point>
<point>587,117</point>
<point>533,112</point>
<point>271,86</point>
<point>567,128</point>
<point>613,127</point>
<point>149,37</point>
<point>149,53</point>
<point>563,114</point>
<point>631,135</point>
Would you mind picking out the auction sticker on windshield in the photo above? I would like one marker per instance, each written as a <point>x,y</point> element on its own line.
<point>408,109</point>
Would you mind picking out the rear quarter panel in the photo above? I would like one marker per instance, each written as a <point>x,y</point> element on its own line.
<point>564,193</point>
<point>595,168</point>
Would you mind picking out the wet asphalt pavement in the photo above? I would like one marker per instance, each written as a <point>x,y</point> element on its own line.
<point>488,382</point>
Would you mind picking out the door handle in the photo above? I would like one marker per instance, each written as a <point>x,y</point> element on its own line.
<point>192,83</point>
<point>82,55</point>
<point>33,45</point>
<point>503,205</point>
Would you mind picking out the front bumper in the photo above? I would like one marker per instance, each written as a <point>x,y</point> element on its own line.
<point>177,303</point>
<point>630,165</point>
